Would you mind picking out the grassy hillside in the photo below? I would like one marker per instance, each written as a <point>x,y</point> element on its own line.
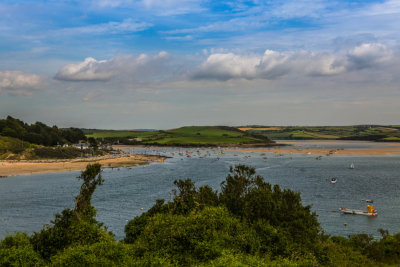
<point>10,147</point>
<point>190,135</point>
<point>361,132</point>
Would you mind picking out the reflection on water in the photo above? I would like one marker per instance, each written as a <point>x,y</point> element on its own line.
<point>28,202</point>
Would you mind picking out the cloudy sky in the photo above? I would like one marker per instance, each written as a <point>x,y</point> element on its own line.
<point>126,64</point>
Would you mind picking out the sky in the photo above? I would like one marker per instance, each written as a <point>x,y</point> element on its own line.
<point>130,64</point>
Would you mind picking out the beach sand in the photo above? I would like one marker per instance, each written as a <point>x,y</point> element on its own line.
<point>379,151</point>
<point>14,168</point>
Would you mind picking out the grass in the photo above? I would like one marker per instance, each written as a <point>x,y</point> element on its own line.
<point>189,135</point>
<point>109,133</point>
<point>360,132</point>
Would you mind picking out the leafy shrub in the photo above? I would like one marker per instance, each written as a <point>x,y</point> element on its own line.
<point>57,153</point>
<point>16,250</point>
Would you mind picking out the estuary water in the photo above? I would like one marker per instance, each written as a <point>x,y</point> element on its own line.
<point>28,202</point>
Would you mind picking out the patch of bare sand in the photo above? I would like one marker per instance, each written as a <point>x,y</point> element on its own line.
<point>334,142</point>
<point>381,151</point>
<point>13,168</point>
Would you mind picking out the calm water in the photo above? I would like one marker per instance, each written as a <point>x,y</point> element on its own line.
<point>28,202</point>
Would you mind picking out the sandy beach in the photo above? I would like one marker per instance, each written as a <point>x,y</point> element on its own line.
<point>335,147</point>
<point>326,151</point>
<point>14,168</point>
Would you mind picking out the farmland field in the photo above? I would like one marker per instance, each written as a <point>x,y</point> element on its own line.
<point>360,132</point>
<point>190,135</point>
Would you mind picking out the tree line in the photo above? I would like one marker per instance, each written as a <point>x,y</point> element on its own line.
<point>39,133</point>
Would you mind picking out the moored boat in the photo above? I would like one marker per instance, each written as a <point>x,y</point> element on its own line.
<point>369,212</point>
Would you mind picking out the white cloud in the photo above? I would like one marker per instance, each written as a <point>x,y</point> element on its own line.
<point>93,70</point>
<point>273,64</point>
<point>368,55</point>
<point>88,70</point>
<point>228,66</point>
<point>20,83</point>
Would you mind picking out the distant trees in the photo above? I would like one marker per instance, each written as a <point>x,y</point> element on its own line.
<point>39,133</point>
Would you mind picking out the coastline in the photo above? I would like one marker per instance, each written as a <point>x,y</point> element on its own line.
<point>394,151</point>
<point>9,168</point>
<point>289,147</point>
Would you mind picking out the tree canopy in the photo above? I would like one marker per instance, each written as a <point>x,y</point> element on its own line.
<point>39,133</point>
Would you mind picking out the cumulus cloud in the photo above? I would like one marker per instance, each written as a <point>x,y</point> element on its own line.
<point>228,66</point>
<point>88,70</point>
<point>102,70</point>
<point>20,83</point>
<point>368,55</point>
<point>273,64</point>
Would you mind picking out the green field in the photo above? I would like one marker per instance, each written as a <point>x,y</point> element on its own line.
<point>360,132</point>
<point>190,135</point>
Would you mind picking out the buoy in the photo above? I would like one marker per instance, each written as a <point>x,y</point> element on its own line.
<point>345,224</point>
<point>141,208</point>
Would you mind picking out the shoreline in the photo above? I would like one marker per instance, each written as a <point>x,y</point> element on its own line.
<point>395,151</point>
<point>10,168</point>
<point>289,147</point>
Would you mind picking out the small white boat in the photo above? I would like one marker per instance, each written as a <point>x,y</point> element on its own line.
<point>333,181</point>
<point>369,212</point>
<point>351,166</point>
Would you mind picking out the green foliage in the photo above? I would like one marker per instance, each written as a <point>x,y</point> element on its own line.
<point>386,250</point>
<point>39,133</point>
<point>276,223</point>
<point>134,228</point>
<point>13,145</point>
<point>74,227</point>
<point>16,250</point>
<point>57,153</point>
<point>199,236</point>
<point>104,253</point>
<point>252,199</point>
<point>193,135</point>
<point>93,143</point>
<point>91,178</point>
<point>360,132</point>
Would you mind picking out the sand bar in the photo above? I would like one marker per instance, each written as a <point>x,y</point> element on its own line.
<point>380,151</point>
<point>22,167</point>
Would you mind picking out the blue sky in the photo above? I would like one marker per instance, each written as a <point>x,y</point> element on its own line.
<point>128,64</point>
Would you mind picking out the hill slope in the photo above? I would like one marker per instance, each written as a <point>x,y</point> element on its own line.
<point>189,135</point>
<point>358,132</point>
